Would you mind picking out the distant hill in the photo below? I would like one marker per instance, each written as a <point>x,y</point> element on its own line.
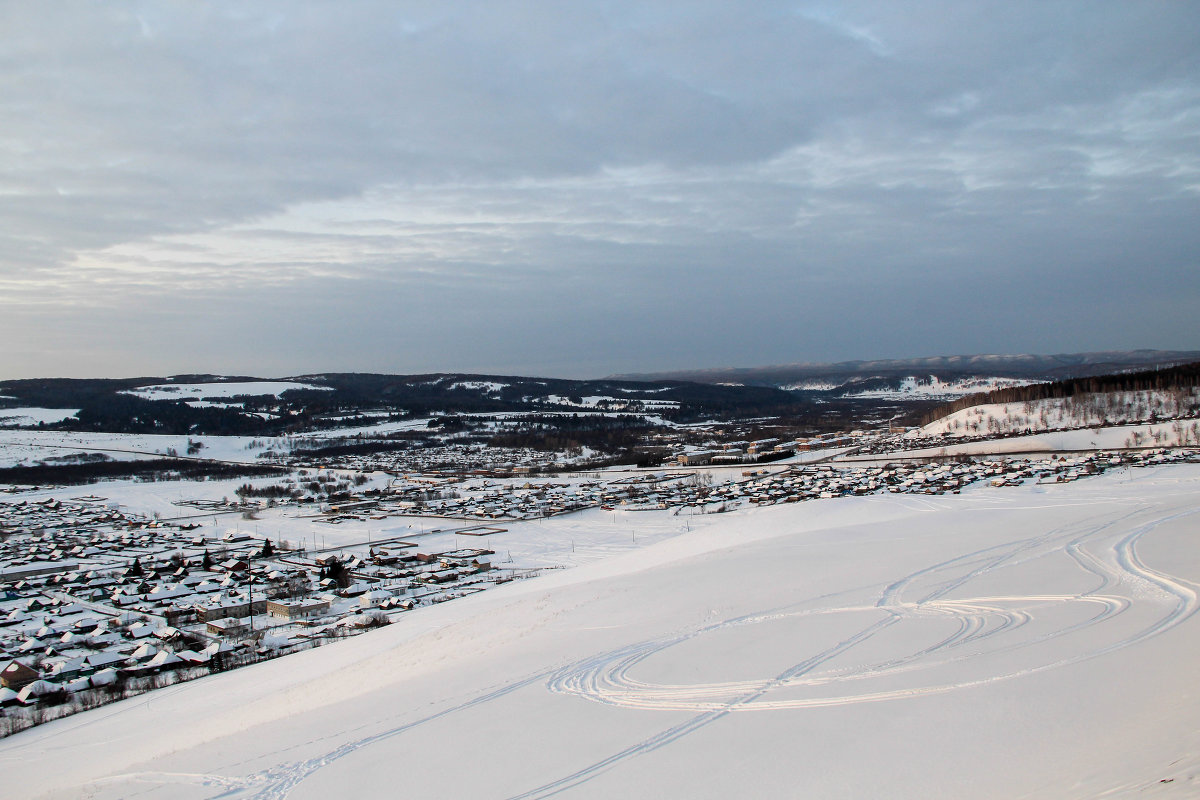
<point>252,406</point>
<point>848,377</point>
<point>825,396</point>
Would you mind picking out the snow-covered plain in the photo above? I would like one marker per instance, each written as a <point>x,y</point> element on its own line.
<point>28,415</point>
<point>1037,641</point>
<point>608,401</point>
<point>30,446</point>
<point>27,447</point>
<point>196,391</point>
<point>491,387</point>
<point>922,387</point>
<point>931,387</point>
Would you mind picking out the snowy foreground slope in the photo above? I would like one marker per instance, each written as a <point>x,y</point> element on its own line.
<point>1039,641</point>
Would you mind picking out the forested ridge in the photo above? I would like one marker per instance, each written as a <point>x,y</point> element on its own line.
<point>1184,376</point>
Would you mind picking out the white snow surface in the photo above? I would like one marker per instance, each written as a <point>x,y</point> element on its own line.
<point>603,400</point>
<point>1096,410</point>
<point>1171,433</point>
<point>811,386</point>
<point>30,415</point>
<point>1037,641</point>
<point>931,387</point>
<point>30,446</point>
<point>490,387</point>
<point>196,391</point>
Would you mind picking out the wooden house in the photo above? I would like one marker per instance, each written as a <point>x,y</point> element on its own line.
<point>16,676</point>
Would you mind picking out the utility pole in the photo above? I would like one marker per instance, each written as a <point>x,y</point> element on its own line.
<point>250,570</point>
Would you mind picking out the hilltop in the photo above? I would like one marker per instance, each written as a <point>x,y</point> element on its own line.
<point>935,376</point>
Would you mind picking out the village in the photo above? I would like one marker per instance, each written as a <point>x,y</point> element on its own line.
<point>97,603</point>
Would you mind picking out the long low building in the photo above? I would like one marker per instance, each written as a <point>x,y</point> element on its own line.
<point>296,609</point>
<point>228,607</point>
<point>697,457</point>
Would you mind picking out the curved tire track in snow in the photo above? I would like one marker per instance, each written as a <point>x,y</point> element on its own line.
<point>605,678</point>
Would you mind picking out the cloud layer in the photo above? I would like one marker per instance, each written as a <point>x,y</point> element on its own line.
<point>574,190</point>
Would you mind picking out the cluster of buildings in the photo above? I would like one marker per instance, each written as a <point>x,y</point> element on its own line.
<point>490,498</point>
<point>453,457</point>
<point>799,483</point>
<point>92,598</point>
<point>759,450</point>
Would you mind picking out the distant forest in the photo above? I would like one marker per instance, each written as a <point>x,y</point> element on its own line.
<point>146,469</point>
<point>1184,376</point>
<point>105,407</point>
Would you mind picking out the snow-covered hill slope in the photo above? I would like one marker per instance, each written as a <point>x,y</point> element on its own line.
<point>1092,410</point>
<point>1022,366</point>
<point>1036,642</point>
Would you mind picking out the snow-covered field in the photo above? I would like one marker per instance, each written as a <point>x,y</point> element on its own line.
<point>11,417</point>
<point>30,446</point>
<point>602,401</point>
<point>1038,641</point>
<point>808,386</point>
<point>924,387</point>
<point>491,387</point>
<point>931,387</point>
<point>197,391</point>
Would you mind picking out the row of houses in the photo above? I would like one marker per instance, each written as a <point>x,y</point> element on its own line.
<point>741,451</point>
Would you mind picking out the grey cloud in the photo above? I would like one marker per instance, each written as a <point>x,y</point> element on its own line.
<point>596,186</point>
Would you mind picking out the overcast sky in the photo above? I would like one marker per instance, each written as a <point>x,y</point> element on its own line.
<point>576,189</point>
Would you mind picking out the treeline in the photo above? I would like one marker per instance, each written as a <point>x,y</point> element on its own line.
<point>274,491</point>
<point>103,407</point>
<point>150,469</point>
<point>67,392</point>
<point>423,394</point>
<point>1185,376</point>
<point>574,432</point>
<point>123,413</point>
<point>366,448</point>
<point>578,422</point>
